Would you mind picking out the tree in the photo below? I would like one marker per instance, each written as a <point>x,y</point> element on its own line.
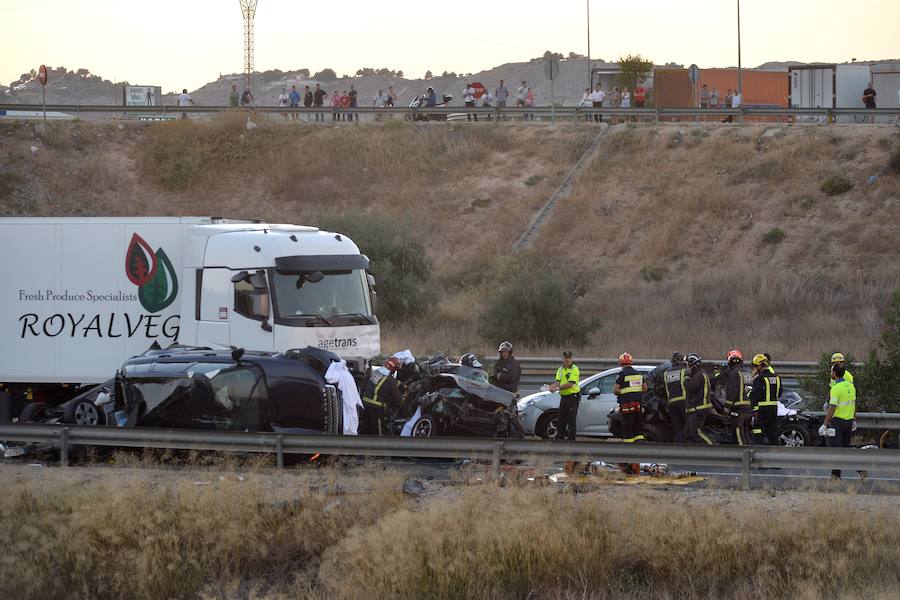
<point>326,75</point>
<point>556,55</point>
<point>879,388</point>
<point>428,75</point>
<point>633,70</point>
<point>400,74</point>
<point>575,55</point>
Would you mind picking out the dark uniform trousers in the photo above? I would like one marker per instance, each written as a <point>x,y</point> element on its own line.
<point>767,424</point>
<point>568,414</point>
<point>374,416</point>
<point>696,421</point>
<point>741,425</point>
<point>676,415</point>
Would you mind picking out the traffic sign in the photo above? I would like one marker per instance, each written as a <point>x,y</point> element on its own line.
<point>694,73</point>
<point>479,89</point>
<point>551,68</point>
<point>42,75</point>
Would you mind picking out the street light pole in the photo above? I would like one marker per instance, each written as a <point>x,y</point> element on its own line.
<point>740,84</point>
<point>590,82</point>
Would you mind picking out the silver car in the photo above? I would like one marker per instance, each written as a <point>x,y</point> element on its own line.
<point>539,413</point>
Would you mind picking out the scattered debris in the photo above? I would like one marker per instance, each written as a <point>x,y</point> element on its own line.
<point>250,125</point>
<point>413,487</point>
<point>34,150</point>
<point>332,505</point>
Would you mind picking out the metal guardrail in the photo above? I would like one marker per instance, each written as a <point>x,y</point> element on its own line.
<point>744,458</point>
<point>563,113</point>
<point>881,421</point>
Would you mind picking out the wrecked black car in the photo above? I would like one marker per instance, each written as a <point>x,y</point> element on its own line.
<point>446,398</point>
<point>202,388</point>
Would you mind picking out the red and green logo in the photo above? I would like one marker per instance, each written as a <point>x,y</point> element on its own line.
<point>153,273</point>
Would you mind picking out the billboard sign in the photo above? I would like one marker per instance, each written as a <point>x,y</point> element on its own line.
<point>142,95</point>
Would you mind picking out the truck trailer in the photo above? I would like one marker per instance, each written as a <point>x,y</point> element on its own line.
<point>828,86</point>
<point>82,295</point>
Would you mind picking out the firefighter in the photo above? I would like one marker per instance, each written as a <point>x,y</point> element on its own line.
<point>384,397</point>
<point>675,394</point>
<point>629,389</point>
<point>507,371</point>
<point>764,399</point>
<point>697,403</point>
<point>737,401</point>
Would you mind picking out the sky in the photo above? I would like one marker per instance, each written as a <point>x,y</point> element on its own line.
<point>188,43</point>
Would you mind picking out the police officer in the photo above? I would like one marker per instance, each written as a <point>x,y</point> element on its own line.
<point>838,424</point>
<point>737,401</point>
<point>507,371</point>
<point>629,390</point>
<point>567,377</point>
<point>384,397</point>
<point>697,404</point>
<point>764,399</point>
<point>675,394</point>
<point>838,359</point>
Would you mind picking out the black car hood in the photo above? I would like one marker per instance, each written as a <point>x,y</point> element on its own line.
<point>485,391</point>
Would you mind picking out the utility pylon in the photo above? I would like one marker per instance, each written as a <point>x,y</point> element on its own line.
<point>248,10</point>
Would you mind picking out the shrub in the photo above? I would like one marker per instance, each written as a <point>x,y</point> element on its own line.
<point>398,261</point>
<point>535,305</point>
<point>654,273</point>
<point>773,236</point>
<point>894,161</point>
<point>836,185</point>
<point>534,180</point>
<point>881,375</point>
<point>9,182</point>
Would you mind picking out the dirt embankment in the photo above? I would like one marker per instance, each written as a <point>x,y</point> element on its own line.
<point>688,236</point>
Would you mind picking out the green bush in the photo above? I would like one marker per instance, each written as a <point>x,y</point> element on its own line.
<point>773,236</point>
<point>534,304</point>
<point>879,389</point>
<point>836,185</point>
<point>534,180</point>
<point>398,261</point>
<point>653,273</point>
<point>817,387</point>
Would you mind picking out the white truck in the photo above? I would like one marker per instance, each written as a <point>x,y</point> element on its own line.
<point>82,295</point>
<point>829,86</point>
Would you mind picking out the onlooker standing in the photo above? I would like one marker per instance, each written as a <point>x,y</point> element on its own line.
<point>247,97</point>
<point>352,95</point>
<point>615,98</point>
<point>869,100</point>
<point>729,96</point>
<point>521,94</point>
<point>566,383</point>
<point>704,96</point>
<point>714,97</point>
<point>335,105</point>
<point>184,100</point>
<point>626,98</point>
<point>501,95</point>
<point>345,104</point>
<point>640,96</point>
<point>379,101</point>
<point>234,98</point>
<point>487,100</point>
<point>308,101</point>
<point>585,102</point>
<point>597,98</point>
<point>284,101</point>
<point>391,96</point>
<point>469,100</point>
<point>529,103</point>
<point>319,101</point>
<point>295,102</point>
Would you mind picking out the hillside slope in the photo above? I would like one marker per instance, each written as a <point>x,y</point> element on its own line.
<point>680,236</point>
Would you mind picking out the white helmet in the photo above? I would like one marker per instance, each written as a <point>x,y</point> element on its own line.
<point>505,347</point>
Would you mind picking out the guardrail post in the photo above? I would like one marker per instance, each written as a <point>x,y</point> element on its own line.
<point>64,447</point>
<point>746,458</point>
<point>279,451</point>
<point>495,460</point>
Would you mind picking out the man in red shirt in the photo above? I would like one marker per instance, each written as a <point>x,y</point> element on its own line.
<point>640,96</point>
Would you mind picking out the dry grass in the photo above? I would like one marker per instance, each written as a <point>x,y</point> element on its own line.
<point>345,534</point>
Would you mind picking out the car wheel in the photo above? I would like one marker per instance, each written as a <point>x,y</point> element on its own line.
<point>548,426</point>
<point>332,406</point>
<point>82,412</point>
<point>35,412</point>
<point>793,435</point>
<point>425,427</point>
<point>654,432</point>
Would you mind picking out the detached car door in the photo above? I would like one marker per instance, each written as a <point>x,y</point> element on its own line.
<point>593,409</point>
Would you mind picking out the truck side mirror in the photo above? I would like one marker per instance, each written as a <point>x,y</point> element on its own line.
<point>239,277</point>
<point>258,280</point>
<point>265,326</point>
<point>370,279</point>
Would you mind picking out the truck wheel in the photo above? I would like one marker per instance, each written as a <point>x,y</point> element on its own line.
<point>34,412</point>
<point>333,415</point>
<point>426,426</point>
<point>548,426</point>
<point>82,412</point>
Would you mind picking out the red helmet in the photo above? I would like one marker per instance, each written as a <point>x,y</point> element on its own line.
<point>626,359</point>
<point>736,356</point>
<point>393,364</point>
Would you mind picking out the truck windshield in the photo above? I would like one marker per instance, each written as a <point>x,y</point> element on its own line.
<point>335,295</point>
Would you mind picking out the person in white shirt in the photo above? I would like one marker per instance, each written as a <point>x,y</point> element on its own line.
<point>284,101</point>
<point>737,100</point>
<point>184,100</point>
<point>521,95</point>
<point>469,99</point>
<point>626,98</point>
<point>597,98</point>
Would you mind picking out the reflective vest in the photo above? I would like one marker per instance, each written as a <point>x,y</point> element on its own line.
<point>772,388</point>
<point>374,399</point>
<point>704,403</point>
<point>843,398</point>
<point>632,386</point>
<point>564,375</point>
<point>848,376</point>
<point>674,383</point>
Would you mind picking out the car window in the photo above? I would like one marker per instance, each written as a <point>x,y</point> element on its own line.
<point>605,384</point>
<point>237,393</point>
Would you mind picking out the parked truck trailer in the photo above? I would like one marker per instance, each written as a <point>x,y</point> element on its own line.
<point>82,295</point>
